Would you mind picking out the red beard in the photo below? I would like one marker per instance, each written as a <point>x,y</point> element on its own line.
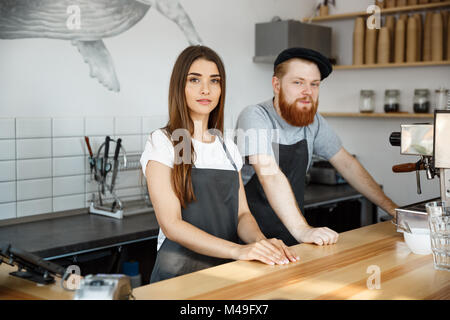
<point>294,115</point>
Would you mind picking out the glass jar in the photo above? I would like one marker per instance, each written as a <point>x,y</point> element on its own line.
<point>442,99</point>
<point>391,100</point>
<point>421,101</point>
<point>367,101</point>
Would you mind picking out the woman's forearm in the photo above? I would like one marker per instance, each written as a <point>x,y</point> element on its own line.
<point>200,241</point>
<point>248,229</point>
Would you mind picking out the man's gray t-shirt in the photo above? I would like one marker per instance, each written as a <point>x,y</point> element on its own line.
<point>254,133</point>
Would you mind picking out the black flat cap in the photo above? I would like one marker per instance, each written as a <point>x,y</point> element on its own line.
<point>320,60</point>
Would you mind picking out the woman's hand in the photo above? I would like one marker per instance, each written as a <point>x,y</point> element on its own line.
<point>269,251</point>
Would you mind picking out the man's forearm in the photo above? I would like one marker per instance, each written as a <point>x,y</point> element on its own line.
<point>358,177</point>
<point>282,200</point>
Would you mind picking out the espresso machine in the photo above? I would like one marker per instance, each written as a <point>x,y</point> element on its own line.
<point>431,143</point>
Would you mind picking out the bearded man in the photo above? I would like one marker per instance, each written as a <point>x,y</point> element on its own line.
<point>274,176</point>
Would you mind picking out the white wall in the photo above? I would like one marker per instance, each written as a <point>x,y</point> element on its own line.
<point>45,82</point>
<point>48,78</point>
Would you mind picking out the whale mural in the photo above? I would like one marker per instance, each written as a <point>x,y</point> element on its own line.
<point>86,23</point>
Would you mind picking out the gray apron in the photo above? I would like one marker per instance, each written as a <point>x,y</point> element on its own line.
<point>293,162</point>
<point>215,212</point>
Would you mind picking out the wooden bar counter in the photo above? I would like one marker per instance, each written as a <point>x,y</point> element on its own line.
<point>338,271</point>
<point>341,271</point>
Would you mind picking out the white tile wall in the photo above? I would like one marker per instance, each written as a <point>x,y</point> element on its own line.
<point>68,127</point>
<point>144,141</point>
<point>68,185</point>
<point>7,210</point>
<point>44,165</point>
<point>129,193</point>
<point>99,126</point>
<point>150,124</point>
<point>132,144</point>
<point>34,189</point>
<point>34,207</point>
<point>7,128</point>
<point>68,166</point>
<point>66,147</point>
<point>33,169</point>
<point>7,191</point>
<point>7,171</point>
<point>127,125</point>
<point>34,148</point>
<point>128,179</point>
<point>7,149</point>
<point>68,202</point>
<point>91,185</point>
<point>33,128</point>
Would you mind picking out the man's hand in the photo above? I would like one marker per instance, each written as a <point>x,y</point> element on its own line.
<point>319,236</point>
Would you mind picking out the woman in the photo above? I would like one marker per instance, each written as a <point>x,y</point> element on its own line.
<point>193,178</point>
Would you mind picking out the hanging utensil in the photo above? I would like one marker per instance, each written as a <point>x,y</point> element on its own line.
<point>105,163</point>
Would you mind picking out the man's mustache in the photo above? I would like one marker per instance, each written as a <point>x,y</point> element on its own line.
<point>308,99</point>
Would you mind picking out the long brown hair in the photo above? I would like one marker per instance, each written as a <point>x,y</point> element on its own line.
<point>179,117</point>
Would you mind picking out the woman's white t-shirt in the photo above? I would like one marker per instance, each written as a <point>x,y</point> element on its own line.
<point>207,156</point>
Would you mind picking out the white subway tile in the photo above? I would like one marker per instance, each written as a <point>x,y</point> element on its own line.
<point>33,169</point>
<point>130,194</point>
<point>7,210</point>
<point>69,202</point>
<point>127,125</point>
<point>7,191</point>
<point>152,123</point>
<point>128,179</point>
<point>132,144</point>
<point>34,148</point>
<point>64,147</point>
<point>7,128</point>
<point>144,141</point>
<point>68,185</point>
<point>99,126</point>
<point>34,207</point>
<point>7,149</point>
<point>68,166</point>
<point>91,184</point>
<point>33,128</point>
<point>68,127</point>
<point>34,189</point>
<point>7,171</point>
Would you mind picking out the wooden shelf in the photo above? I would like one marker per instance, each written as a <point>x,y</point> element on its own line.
<point>393,65</point>
<point>377,115</point>
<point>351,15</point>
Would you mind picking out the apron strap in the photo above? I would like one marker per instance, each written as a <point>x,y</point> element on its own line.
<point>230,158</point>
<point>227,152</point>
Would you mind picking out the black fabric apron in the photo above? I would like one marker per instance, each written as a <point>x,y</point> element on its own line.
<point>215,212</point>
<point>293,162</point>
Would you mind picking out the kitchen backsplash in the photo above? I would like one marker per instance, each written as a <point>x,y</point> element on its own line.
<point>44,161</point>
